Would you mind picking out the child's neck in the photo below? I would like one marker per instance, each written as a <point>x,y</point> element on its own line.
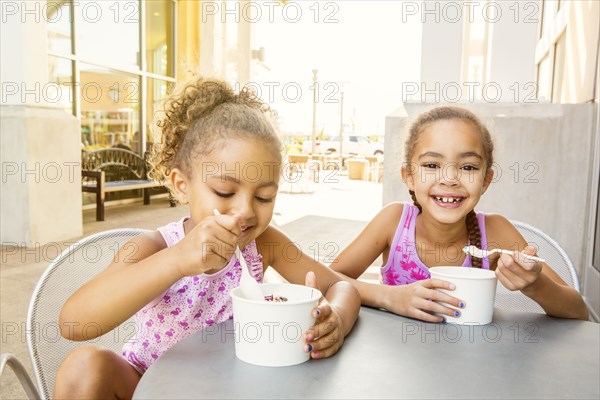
<point>433,231</point>
<point>440,244</point>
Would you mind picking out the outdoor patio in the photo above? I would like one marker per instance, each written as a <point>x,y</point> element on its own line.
<point>333,214</point>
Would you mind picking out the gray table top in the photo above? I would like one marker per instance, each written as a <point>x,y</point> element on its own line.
<point>519,355</point>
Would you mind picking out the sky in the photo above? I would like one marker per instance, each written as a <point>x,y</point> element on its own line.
<point>362,46</point>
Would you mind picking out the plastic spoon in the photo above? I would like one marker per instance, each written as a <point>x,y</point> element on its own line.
<point>250,287</point>
<point>479,253</point>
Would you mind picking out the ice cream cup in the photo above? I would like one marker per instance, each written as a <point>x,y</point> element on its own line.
<point>475,286</point>
<point>271,333</point>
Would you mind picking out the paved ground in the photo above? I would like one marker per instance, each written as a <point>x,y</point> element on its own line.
<point>322,223</point>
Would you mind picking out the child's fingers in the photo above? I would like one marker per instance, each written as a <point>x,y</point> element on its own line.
<point>219,241</point>
<point>529,250</point>
<point>507,273</point>
<point>434,307</point>
<point>311,280</point>
<point>438,283</point>
<point>230,223</point>
<point>327,342</point>
<point>524,261</point>
<point>326,351</point>
<point>504,280</point>
<point>427,317</point>
<point>226,240</point>
<point>321,311</point>
<point>324,324</point>
<point>436,295</point>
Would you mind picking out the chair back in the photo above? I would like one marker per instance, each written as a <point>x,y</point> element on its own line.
<point>68,272</point>
<point>298,158</point>
<point>555,257</point>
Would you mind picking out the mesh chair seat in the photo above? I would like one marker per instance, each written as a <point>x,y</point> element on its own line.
<point>68,272</point>
<point>555,257</point>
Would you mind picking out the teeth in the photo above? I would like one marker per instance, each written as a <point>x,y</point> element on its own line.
<point>447,199</point>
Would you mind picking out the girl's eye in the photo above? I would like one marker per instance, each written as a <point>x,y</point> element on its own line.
<point>470,167</point>
<point>429,165</point>
<point>264,200</point>
<point>224,195</point>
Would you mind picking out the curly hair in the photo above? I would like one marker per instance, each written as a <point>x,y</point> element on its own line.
<point>449,113</point>
<point>203,113</point>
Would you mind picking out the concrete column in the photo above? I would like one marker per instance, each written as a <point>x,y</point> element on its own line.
<point>441,49</point>
<point>190,30</point>
<point>511,52</point>
<point>40,190</point>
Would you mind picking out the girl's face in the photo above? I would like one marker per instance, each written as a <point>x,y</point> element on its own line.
<point>448,170</point>
<point>241,176</point>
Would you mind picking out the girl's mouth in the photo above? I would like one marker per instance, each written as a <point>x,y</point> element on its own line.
<point>448,201</point>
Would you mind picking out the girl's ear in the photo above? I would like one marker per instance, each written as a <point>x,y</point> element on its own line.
<point>179,183</point>
<point>407,176</point>
<point>489,175</point>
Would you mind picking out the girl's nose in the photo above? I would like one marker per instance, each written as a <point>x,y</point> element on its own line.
<point>245,208</point>
<point>450,174</point>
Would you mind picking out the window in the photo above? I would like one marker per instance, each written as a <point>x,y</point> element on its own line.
<point>59,17</point>
<point>159,37</point>
<point>97,66</point>
<point>108,32</point>
<point>559,62</point>
<point>596,255</point>
<point>544,79</point>
<point>157,91</point>
<point>60,89</point>
<point>549,9</point>
<point>475,49</point>
<point>109,109</point>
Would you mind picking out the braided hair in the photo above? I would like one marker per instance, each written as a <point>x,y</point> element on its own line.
<point>449,113</point>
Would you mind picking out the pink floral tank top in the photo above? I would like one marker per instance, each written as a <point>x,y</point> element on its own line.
<point>404,265</point>
<point>190,305</point>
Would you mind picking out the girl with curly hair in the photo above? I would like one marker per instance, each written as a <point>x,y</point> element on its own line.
<point>447,168</point>
<point>220,151</point>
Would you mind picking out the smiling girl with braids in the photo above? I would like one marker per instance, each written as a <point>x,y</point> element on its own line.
<point>447,168</point>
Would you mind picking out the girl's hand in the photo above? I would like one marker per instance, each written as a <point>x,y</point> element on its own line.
<point>518,272</point>
<point>209,245</point>
<point>420,299</point>
<point>326,337</point>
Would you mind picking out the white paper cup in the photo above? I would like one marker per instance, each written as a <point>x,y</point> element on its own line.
<point>272,333</point>
<point>475,286</point>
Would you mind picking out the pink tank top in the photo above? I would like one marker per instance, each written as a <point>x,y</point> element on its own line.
<point>190,305</point>
<point>404,265</point>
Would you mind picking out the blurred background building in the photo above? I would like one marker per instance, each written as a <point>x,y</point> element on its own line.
<point>82,75</point>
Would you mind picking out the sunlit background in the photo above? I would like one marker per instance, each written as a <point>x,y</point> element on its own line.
<point>79,76</point>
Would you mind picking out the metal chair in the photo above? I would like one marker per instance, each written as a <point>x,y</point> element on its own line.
<point>554,255</point>
<point>300,174</point>
<point>68,272</point>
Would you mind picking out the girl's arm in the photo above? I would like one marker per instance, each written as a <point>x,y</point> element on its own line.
<point>335,315</point>
<point>134,280</point>
<point>372,242</point>
<point>413,300</point>
<point>537,281</point>
<point>123,288</point>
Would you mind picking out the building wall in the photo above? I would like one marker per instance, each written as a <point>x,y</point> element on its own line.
<point>41,176</point>
<point>569,44</point>
<point>225,40</point>
<point>40,149</point>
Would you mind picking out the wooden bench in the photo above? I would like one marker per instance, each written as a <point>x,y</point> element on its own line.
<point>114,170</point>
